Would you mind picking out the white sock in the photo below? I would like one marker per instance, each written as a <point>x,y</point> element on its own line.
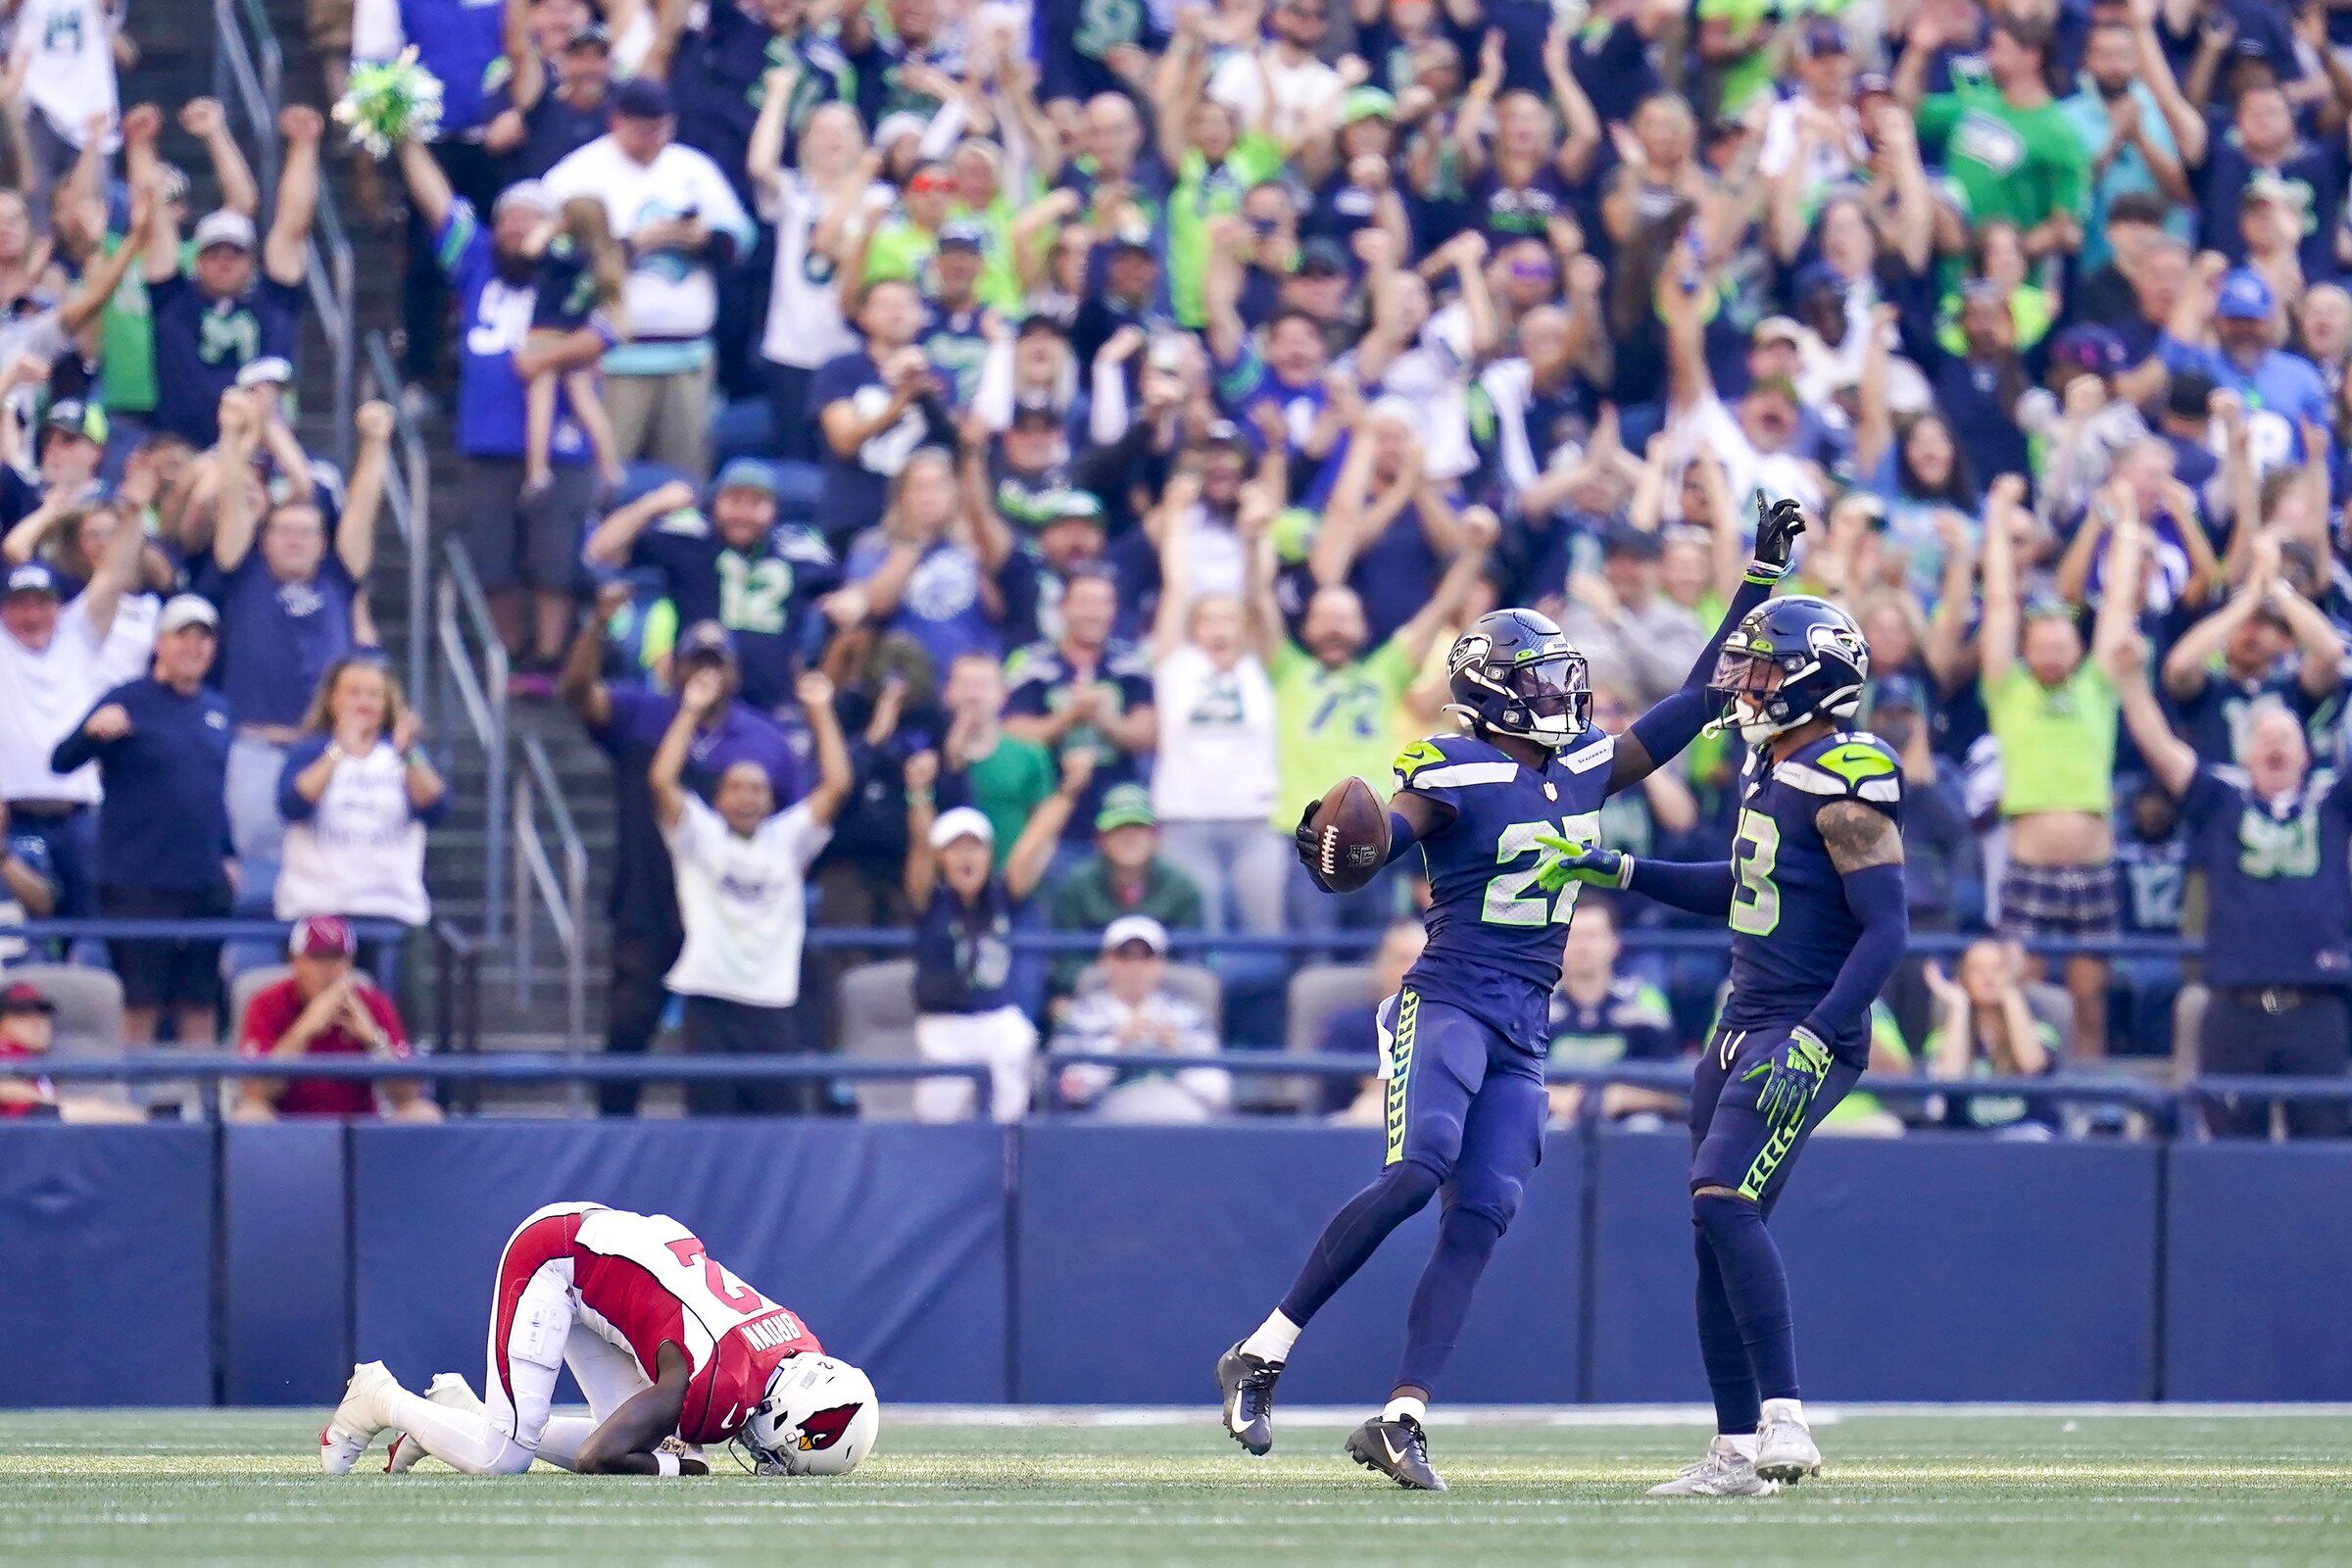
<point>1405,1404</point>
<point>462,1440</point>
<point>1785,1410</point>
<point>560,1444</point>
<point>1742,1443</point>
<point>1273,1339</point>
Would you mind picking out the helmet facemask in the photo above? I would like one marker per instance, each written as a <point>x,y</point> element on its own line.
<point>1547,699</point>
<point>1749,683</point>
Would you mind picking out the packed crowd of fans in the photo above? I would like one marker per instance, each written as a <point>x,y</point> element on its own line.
<point>978,467</point>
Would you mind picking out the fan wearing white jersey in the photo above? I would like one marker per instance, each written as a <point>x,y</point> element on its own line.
<point>671,1350</point>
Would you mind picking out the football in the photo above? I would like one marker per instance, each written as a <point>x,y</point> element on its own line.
<point>1352,828</point>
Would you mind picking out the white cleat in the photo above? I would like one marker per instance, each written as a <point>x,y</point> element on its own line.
<point>357,1420</point>
<point>1784,1450</point>
<point>447,1389</point>
<point>1725,1472</point>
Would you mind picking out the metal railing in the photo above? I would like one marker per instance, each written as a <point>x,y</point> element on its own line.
<point>477,699</point>
<point>1358,943</point>
<point>211,1068</point>
<point>2160,1111</point>
<point>407,496</point>
<point>563,893</point>
<point>249,78</point>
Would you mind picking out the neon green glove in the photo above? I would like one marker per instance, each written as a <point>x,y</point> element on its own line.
<point>1571,862</point>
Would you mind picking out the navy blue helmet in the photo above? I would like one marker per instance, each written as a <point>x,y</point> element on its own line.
<point>1513,673</point>
<point>1790,660</point>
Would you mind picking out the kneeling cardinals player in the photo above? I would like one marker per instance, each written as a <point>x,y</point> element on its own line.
<point>671,1350</point>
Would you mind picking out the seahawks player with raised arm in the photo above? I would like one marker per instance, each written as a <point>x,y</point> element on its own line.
<point>1463,1043</point>
<point>1814,890</point>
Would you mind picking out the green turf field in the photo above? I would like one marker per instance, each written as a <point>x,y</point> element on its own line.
<point>2150,1491</point>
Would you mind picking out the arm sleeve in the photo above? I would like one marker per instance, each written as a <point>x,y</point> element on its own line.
<point>290,804</point>
<point>1401,838</point>
<point>1675,723</point>
<point>1754,588</point>
<point>1875,895</point>
<point>79,747</point>
<point>1703,887</point>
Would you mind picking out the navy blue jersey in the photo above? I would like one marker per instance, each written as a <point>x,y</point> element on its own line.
<point>2280,905</point>
<point>963,951</point>
<point>1791,927</point>
<point>1494,936</point>
<point>1631,1022</point>
<point>765,595</point>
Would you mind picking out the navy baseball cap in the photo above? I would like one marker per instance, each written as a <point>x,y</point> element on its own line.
<point>1036,409</point>
<point>2095,349</point>
<point>2244,297</point>
<point>1822,35</point>
<point>706,639</point>
<point>33,577</point>
<point>964,234</point>
<point>641,98</point>
<point>1899,692</point>
<point>745,473</point>
<point>1322,258</point>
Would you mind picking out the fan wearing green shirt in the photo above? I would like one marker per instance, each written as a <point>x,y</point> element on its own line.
<point>2006,139</point>
<point>2055,714</point>
<point>1217,159</point>
<point>1003,777</point>
<point>1336,703</point>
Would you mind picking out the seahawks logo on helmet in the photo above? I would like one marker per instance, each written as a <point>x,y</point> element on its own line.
<point>1513,673</point>
<point>1792,660</point>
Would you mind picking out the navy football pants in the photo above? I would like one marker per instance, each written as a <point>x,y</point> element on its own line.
<point>1465,1117</point>
<point>1745,1333</point>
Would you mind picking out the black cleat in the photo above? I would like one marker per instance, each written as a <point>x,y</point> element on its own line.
<point>1248,1382</point>
<point>1398,1449</point>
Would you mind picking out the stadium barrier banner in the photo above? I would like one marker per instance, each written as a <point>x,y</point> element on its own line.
<point>2258,1271</point>
<point>106,1264</point>
<point>286,1298</point>
<point>1926,1267</point>
<point>1141,1252</point>
<point>888,1239</point>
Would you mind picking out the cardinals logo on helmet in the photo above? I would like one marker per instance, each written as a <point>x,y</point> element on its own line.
<point>825,1428</point>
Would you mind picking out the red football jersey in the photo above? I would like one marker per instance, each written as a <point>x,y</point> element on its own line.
<point>644,1280</point>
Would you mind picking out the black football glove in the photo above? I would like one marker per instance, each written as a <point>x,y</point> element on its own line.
<point>1308,842</point>
<point>1777,526</point>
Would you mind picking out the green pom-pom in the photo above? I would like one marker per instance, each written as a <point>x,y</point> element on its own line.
<point>389,102</point>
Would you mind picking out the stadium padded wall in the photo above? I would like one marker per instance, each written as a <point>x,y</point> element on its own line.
<point>107,1252</point>
<point>2258,1264</point>
<point>1145,1252</point>
<point>1923,1268</point>
<point>887,1238</point>
<point>1071,1262</point>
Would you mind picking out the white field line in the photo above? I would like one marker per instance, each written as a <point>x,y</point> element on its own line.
<point>1574,1415</point>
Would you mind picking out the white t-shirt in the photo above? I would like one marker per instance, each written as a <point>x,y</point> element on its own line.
<point>1300,91</point>
<point>1216,739</point>
<point>361,853</point>
<point>42,696</point>
<point>1708,426</point>
<point>130,647</point>
<point>804,327</point>
<point>1829,165</point>
<point>1434,375</point>
<point>667,296</point>
<point>68,50</point>
<point>744,903</point>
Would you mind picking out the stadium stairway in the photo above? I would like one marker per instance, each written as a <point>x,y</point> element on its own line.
<point>179,47</point>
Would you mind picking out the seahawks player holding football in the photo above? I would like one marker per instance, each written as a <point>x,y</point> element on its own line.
<point>1814,892</point>
<point>1463,1043</point>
